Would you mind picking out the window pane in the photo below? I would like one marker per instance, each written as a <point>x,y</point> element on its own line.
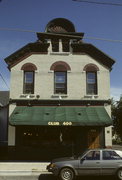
<point>91,77</point>
<point>60,77</point>
<point>60,86</point>
<point>91,89</point>
<point>110,155</point>
<point>28,77</point>
<point>93,155</point>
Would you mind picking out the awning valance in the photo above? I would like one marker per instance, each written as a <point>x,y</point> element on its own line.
<point>60,115</point>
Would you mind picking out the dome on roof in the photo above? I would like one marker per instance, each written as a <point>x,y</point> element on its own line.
<point>60,25</point>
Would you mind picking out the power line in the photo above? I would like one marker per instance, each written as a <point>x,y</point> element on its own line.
<point>19,30</point>
<point>99,3</point>
<point>104,39</point>
<point>87,37</point>
<point>4,81</point>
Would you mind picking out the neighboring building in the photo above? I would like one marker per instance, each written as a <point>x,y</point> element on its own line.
<point>59,94</point>
<point>4,101</point>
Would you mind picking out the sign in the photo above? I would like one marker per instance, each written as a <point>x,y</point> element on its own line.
<point>60,123</point>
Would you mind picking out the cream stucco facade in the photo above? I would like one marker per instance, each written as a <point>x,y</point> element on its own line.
<point>77,56</point>
<point>76,83</point>
<point>76,78</point>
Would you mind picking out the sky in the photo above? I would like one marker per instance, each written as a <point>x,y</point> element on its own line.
<point>95,20</point>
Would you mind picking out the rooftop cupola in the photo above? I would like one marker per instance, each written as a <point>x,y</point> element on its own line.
<point>60,33</point>
<point>60,25</point>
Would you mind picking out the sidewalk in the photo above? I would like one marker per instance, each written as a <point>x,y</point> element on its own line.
<point>119,147</point>
<point>20,169</point>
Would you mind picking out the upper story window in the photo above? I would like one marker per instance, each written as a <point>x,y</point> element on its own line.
<point>60,45</point>
<point>60,69</point>
<point>91,79</point>
<point>28,86</point>
<point>55,45</point>
<point>91,83</point>
<point>65,45</point>
<point>29,78</point>
<point>60,83</point>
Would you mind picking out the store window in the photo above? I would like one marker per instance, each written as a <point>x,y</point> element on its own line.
<point>91,79</point>
<point>28,78</point>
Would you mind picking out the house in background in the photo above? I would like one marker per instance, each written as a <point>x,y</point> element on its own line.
<point>4,101</point>
<point>59,95</point>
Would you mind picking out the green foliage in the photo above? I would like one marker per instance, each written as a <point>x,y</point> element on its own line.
<point>117,117</point>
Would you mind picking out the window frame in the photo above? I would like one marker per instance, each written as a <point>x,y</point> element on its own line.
<point>95,155</point>
<point>112,155</point>
<point>65,84</point>
<point>95,85</point>
<point>25,84</point>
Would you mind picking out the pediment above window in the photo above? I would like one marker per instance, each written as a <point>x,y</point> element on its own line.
<point>91,67</point>
<point>60,66</point>
<point>29,67</point>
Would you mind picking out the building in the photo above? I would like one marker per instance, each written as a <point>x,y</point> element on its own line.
<point>4,101</point>
<point>59,94</point>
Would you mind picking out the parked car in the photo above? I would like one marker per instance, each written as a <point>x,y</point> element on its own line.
<point>92,162</point>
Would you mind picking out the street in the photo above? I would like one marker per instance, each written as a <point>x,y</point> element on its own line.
<point>46,176</point>
<point>51,177</point>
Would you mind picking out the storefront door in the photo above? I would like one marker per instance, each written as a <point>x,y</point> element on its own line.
<point>93,139</point>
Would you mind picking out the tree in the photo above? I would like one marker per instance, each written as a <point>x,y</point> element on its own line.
<point>117,117</point>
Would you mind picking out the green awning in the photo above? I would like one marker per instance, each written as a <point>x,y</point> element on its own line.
<point>60,115</point>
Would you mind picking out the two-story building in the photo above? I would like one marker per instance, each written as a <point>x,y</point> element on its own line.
<point>59,94</point>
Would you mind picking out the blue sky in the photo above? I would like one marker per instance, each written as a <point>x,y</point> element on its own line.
<point>94,20</point>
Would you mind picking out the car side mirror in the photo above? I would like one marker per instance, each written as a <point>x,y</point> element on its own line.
<point>82,159</point>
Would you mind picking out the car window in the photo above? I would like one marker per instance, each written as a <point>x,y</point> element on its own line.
<point>93,155</point>
<point>110,155</point>
<point>119,153</point>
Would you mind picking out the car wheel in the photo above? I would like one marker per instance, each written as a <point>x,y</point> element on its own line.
<point>119,174</point>
<point>66,174</point>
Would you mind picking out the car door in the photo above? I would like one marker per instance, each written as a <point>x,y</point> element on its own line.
<point>110,162</point>
<point>90,163</point>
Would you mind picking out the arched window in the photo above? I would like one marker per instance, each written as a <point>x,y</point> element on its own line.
<point>29,77</point>
<point>91,79</point>
<point>60,77</point>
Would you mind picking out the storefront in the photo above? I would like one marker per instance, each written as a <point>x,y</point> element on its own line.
<point>59,130</point>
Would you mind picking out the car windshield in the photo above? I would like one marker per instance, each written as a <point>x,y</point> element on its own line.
<point>82,154</point>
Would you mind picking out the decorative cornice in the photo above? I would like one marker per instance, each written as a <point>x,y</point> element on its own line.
<point>29,49</point>
<point>98,55</point>
<point>30,102</point>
